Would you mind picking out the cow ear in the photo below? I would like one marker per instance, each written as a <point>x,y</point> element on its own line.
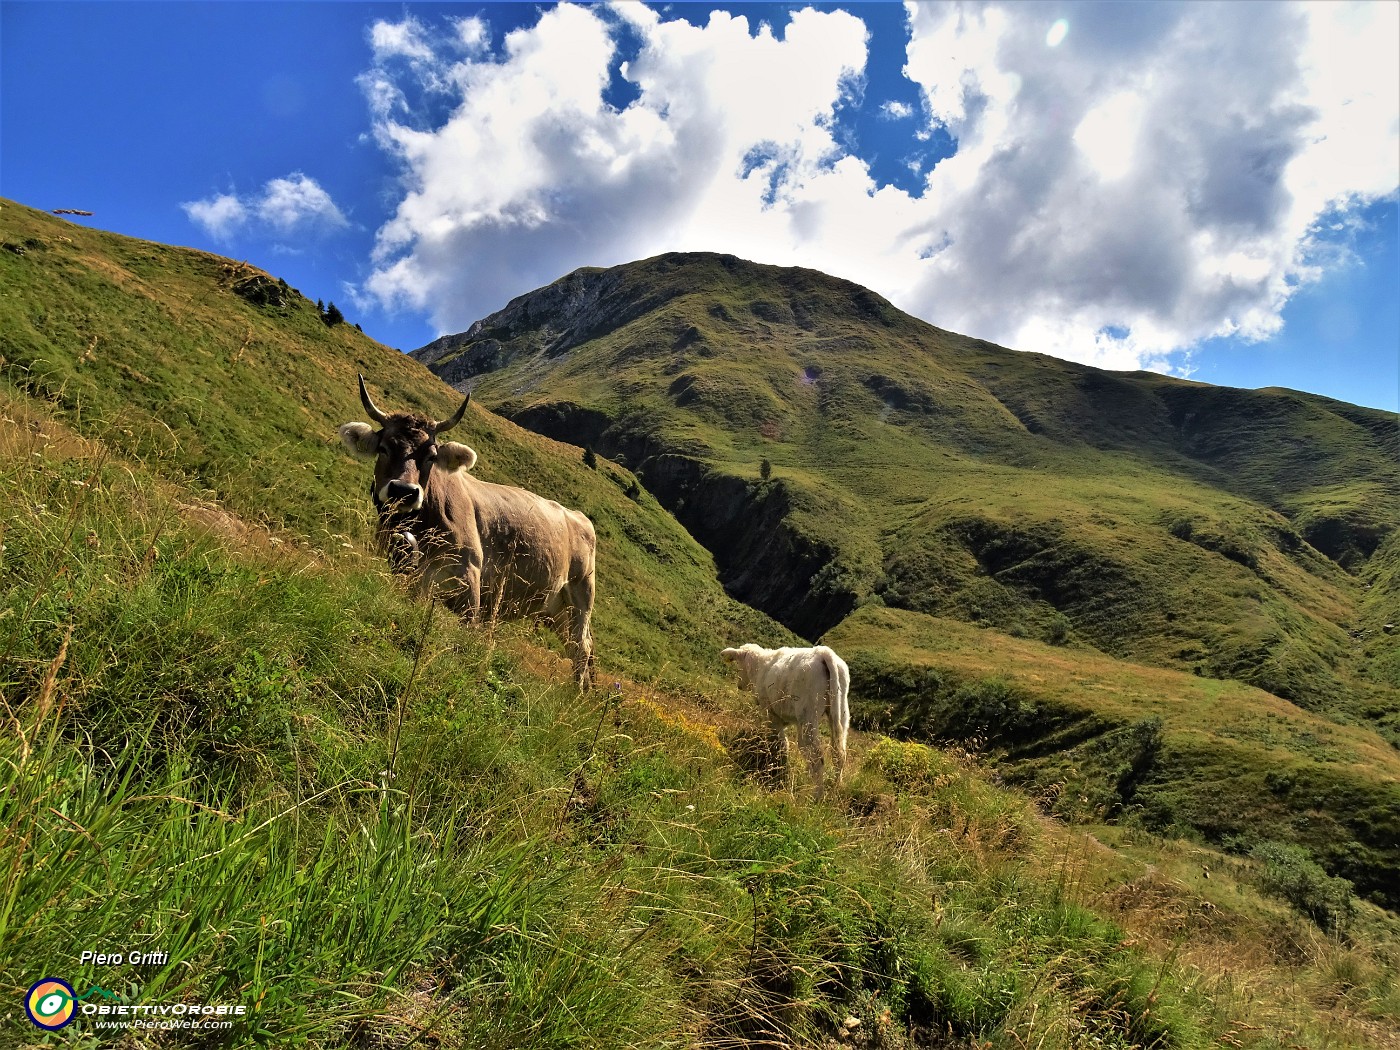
<point>453,455</point>
<point>359,440</point>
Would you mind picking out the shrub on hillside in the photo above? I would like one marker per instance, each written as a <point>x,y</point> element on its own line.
<point>909,765</point>
<point>1058,631</point>
<point>1292,875</point>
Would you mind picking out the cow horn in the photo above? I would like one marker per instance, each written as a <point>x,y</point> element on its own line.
<point>454,419</point>
<point>374,413</point>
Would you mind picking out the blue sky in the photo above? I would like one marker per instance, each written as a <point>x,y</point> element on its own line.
<point>1207,190</point>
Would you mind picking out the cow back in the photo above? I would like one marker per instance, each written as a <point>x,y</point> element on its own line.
<point>529,547</point>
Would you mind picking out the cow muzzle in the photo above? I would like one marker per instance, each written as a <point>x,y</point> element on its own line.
<point>400,497</point>
<point>404,554</point>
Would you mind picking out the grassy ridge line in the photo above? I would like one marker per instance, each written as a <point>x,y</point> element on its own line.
<point>684,314</point>
<point>147,347</point>
<point>1120,689</point>
<point>866,413</point>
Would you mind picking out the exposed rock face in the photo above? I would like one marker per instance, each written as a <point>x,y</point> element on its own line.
<point>261,291</point>
<point>557,318</point>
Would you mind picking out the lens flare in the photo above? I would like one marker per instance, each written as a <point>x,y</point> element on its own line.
<point>1057,33</point>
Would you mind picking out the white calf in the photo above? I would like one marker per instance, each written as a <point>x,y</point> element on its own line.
<point>796,687</point>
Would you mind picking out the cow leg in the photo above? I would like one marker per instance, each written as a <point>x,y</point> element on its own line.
<point>579,636</point>
<point>809,739</point>
<point>572,624</point>
<point>581,629</point>
<point>470,600</point>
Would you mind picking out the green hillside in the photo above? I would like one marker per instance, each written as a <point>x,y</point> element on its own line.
<point>153,350</point>
<point>1227,534</point>
<point>231,738</point>
<point>947,462</point>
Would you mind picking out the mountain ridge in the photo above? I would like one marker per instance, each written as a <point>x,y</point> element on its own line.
<point>835,454</point>
<point>1320,483</point>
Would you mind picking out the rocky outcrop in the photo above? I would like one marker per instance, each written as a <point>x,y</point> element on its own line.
<point>549,321</point>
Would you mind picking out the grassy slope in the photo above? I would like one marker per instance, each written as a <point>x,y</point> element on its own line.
<point>1108,738</point>
<point>964,475</point>
<point>195,762</point>
<point>1155,520</point>
<point>147,347</point>
<point>202,698</point>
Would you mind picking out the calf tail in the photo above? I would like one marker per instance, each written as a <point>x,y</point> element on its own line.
<point>838,710</point>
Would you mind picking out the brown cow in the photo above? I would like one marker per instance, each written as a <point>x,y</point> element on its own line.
<point>492,551</point>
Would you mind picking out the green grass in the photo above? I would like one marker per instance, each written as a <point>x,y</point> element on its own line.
<point>363,821</point>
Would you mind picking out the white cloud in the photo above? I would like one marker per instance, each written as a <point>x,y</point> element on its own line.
<point>1108,134</point>
<point>896,110</point>
<point>534,173</point>
<point>297,201</point>
<point>295,204</point>
<point>1153,181</point>
<point>390,40</point>
<point>1157,178</point>
<point>220,215</point>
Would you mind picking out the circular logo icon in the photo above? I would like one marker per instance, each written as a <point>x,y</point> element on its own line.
<point>49,1003</point>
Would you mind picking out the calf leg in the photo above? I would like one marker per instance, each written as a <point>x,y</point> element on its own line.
<point>838,713</point>
<point>809,739</point>
<point>777,747</point>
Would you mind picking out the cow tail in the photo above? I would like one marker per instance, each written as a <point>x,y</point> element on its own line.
<point>838,711</point>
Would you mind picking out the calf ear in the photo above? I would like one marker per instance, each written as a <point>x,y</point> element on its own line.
<point>453,455</point>
<point>359,440</point>
<point>730,656</point>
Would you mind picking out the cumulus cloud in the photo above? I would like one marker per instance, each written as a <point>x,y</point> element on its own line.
<point>1163,175</point>
<point>534,172</point>
<point>219,216</point>
<point>293,205</point>
<point>1152,181</point>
